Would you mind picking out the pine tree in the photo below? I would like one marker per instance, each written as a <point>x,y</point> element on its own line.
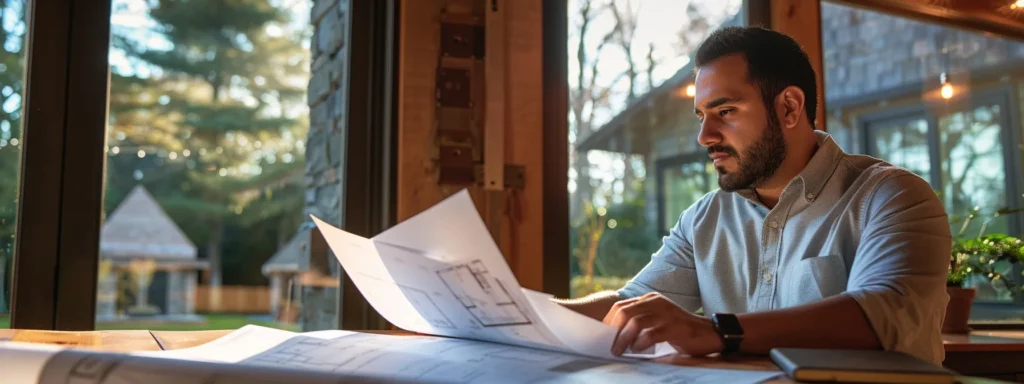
<point>220,115</point>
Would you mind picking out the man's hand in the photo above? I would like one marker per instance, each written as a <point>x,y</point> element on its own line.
<point>652,318</point>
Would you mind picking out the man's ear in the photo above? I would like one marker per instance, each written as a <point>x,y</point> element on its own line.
<point>790,104</point>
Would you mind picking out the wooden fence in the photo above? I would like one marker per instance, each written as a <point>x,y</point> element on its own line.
<point>232,299</point>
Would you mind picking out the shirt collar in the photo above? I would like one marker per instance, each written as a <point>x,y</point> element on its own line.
<point>817,172</point>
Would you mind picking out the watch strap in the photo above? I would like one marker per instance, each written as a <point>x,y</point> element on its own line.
<point>729,330</point>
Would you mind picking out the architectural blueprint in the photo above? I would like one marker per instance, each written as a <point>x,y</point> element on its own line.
<point>260,355</point>
<point>436,359</point>
<point>22,363</point>
<point>485,297</point>
<point>441,273</point>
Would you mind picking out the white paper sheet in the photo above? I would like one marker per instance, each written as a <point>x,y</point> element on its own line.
<point>24,362</point>
<point>436,359</point>
<point>441,273</point>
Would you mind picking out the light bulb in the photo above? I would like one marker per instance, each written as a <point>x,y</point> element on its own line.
<point>947,91</point>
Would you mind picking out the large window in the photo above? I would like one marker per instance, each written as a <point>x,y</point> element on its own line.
<point>635,164</point>
<point>13,27</point>
<point>964,146</point>
<point>207,142</point>
<point>946,104</point>
<point>681,182</point>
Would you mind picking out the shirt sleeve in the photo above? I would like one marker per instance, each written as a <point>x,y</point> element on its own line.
<point>898,274</point>
<point>671,270</point>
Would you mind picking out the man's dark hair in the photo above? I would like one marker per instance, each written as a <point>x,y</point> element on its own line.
<point>774,62</point>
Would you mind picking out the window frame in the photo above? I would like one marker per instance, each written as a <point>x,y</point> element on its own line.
<point>1004,97</point>
<point>872,122</point>
<point>62,165</point>
<point>368,183</point>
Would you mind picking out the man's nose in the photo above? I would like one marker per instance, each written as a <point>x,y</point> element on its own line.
<point>709,133</point>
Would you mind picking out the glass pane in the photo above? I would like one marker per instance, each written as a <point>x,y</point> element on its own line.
<point>973,171</point>
<point>630,82</point>
<point>13,28</point>
<point>684,185</point>
<point>968,85</point>
<point>904,144</point>
<point>207,164</point>
<point>974,176</point>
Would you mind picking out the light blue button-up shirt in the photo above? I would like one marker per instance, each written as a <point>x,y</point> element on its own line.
<point>846,225</point>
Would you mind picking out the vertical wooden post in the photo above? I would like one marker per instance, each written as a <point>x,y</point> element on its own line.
<point>525,137</point>
<point>515,216</point>
<point>496,80</point>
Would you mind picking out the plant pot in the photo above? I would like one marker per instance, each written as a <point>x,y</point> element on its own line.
<point>958,310</point>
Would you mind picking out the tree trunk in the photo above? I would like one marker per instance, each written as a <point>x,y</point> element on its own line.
<point>213,252</point>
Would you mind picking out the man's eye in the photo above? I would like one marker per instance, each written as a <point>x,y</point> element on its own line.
<point>724,112</point>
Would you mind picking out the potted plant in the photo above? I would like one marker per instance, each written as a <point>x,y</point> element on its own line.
<point>979,256</point>
<point>958,309</point>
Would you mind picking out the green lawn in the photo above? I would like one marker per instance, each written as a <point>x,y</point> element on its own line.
<point>216,321</point>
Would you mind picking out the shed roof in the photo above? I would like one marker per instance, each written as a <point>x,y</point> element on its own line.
<point>139,228</point>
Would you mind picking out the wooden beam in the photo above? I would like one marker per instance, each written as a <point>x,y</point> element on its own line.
<point>496,80</point>
<point>514,216</point>
<point>801,19</point>
<point>419,46</point>
<point>526,133</point>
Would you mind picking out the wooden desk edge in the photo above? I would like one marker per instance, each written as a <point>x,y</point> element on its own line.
<point>108,341</point>
<point>141,340</point>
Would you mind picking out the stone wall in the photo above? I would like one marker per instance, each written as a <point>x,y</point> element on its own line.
<point>868,51</point>
<point>324,147</point>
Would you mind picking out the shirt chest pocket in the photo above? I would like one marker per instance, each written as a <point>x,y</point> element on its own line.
<point>813,279</point>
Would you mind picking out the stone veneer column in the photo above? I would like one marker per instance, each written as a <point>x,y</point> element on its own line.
<point>189,292</point>
<point>325,144</point>
<point>175,292</point>
<point>106,296</point>
<point>275,294</point>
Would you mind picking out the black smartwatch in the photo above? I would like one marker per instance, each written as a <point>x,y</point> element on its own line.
<point>729,330</point>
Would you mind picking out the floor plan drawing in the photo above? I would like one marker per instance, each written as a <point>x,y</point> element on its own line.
<point>426,306</point>
<point>87,367</point>
<point>365,354</point>
<point>483,295</point>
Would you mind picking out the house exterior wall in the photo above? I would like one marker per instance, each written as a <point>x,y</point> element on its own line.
<point>868,51</point>
<point>875,62</point>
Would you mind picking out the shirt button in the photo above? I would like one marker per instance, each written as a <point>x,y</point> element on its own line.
<point>767,276</point>
<point>774,224</point>
<point>810,196</point>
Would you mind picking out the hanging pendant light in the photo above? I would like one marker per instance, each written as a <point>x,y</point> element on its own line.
<point>947,89</point>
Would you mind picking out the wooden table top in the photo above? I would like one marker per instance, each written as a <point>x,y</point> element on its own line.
<point>988,341</point>
<point>141,340</point>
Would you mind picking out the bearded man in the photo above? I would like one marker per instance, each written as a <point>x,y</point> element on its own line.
<point>802,246</point>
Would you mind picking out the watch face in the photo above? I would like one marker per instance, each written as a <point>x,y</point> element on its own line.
<point>729,330</point>
<point>728,324</point>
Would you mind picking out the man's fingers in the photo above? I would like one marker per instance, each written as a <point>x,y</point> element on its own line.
<point>651,336</point>
<point>645,304</point>
<point>634,326</point>
<point>616,307</point>
<point>620,309</point>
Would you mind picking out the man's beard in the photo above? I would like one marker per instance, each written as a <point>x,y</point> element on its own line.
<point>758,163</point>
